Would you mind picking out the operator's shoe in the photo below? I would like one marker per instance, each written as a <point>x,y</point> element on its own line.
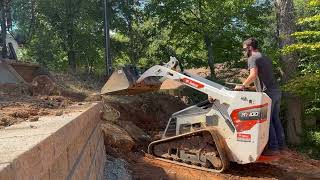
<point>284,150</point>
<point>269,152</point>
<point>268,158</point>
<point>269,155</point>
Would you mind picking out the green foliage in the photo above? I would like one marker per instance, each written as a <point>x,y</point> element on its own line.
<point>143,33</point>
<point>315,18</point>
<point>311,144</point>
<point>307,47</point>
<point>306,86</point>
<point>224,24</point>
<point>306,34</point>
<point>314,137</point>
<point>314,3</point>
<point>61,33</point>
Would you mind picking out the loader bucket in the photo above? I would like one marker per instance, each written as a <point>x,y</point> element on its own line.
<point>12,71</point>
<point>123,82</point>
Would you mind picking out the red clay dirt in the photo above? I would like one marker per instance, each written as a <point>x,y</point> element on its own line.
<point>17,104</point>
<point>150,112</point>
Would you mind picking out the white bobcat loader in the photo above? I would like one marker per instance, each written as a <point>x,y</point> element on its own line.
<point>207,136</point>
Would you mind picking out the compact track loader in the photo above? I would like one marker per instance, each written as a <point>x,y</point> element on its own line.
<point>13,71</point>
<point>234,126</point>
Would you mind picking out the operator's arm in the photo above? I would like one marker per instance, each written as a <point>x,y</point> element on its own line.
<point>252,76</point>
<point>250,79</point>
<point>252,66</point>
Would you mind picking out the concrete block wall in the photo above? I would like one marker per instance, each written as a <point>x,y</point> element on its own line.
<point>58,147</point>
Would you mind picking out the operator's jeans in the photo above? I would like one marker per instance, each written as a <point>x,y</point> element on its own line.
<point>276,134</point>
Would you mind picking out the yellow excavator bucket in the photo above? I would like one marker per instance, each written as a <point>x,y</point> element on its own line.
<point>124,82</point>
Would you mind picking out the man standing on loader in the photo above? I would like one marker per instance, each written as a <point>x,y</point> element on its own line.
<point>261,74</point>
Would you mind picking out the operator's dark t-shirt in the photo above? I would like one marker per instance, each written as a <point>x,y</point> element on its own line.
<point>265,81</point>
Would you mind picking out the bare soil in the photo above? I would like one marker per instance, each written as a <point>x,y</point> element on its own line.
<point>150,112</point>
<point>18,104</point>
<point>45,96</point>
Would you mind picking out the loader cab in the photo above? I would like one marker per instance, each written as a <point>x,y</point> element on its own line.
<point>190,119</point>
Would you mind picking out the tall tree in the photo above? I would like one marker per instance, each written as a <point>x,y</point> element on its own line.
<point>215,28</point>
<point>286,26</point>
<point>62,33</point>
<point>127,22</point>
<point>62,16</point>
<point>307,46</point>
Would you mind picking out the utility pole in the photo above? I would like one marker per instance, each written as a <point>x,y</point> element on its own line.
<point>108,60</point>
<point>3,20</point>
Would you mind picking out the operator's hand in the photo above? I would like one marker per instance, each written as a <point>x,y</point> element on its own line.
<point>210,99</point>
<point>239,88</point>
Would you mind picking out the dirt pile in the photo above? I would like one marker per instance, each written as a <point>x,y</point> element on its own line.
<point>230,74</point>
<point>20,102</point>
<point>15,109</point>
<point>149,112</point>
<point>116,139</point>
<point>223,71</point>
<point>42,85</point>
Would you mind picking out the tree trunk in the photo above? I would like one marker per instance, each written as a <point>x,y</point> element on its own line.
<point>32,21</point>
<point>285,27</point>
<point>129,18</point>
<point>71,49</point>
<point>293,119</point>
<point>3,29</point>
<point>70,32</point>
<point>72,60</point>
<point>107,49</point>
<point>210,56</point>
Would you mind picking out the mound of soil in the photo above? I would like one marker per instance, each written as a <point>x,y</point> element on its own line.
<point>149,112</point>
<point>17,104</point>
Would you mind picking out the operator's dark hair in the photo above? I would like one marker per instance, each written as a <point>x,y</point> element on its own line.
<point>252,42</point>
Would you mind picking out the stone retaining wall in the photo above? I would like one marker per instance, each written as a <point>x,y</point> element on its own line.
<point>58,147</point>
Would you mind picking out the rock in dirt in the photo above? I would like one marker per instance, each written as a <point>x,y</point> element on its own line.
<point>59,113</point>
<point>109,113</point>
<point>42,85</point>
<point>116,169</point>
<point>94,97</point>
<point>43,113</point>
<point>33,119</point>
<point>20,114</point>
<point>135,132</point>
<point>116,137</point>
<point>78,96</point>
<point>14,90</point>
<point>4,121</point>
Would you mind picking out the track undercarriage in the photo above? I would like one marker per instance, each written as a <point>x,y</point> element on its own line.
<point>203,149</point>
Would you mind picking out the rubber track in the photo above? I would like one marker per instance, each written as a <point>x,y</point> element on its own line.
<point>215,136</point>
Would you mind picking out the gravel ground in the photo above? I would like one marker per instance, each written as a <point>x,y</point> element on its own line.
<point>116,169</point>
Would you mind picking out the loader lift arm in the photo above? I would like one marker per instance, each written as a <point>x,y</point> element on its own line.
<point>171,71</point>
